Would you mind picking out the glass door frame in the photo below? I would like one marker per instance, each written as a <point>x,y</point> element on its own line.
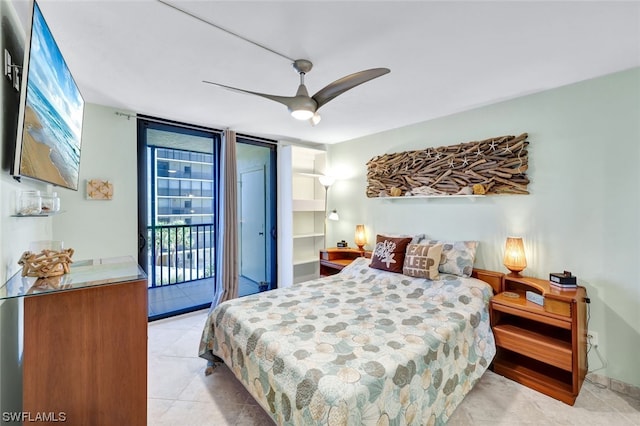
<point>272,207</point>
<point>144,174</point>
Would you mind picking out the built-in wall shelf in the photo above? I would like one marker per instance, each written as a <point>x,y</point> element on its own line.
<point>37,215</point>
<point>427,197</point>
<point>310,175</point>
<point>308,205</point>
<point>312,235</point>
<point>305,261</point>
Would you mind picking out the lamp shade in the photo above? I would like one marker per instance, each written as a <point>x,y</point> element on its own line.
<point>326,181</point>
<point>514,258</point>
<point>360,237</point>
<point>334,215</point>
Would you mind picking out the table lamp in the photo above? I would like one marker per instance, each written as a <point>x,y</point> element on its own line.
<point>514,258</point>
<point>361,237</point>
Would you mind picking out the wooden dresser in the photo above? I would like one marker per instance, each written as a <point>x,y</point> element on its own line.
<point>544,346</point>
<point>85,344</point>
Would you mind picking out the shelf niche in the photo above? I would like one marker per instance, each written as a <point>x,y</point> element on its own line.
<point>308,206</point>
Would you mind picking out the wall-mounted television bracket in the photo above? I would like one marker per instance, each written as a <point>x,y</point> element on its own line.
<point>11,70</point>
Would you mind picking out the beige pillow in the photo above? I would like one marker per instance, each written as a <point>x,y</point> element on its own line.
<point>422,260</point>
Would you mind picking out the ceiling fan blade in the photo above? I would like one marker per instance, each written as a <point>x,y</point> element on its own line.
<point>285,100</point>
<point>343,84</point>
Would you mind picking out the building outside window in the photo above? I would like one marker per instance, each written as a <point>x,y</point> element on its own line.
<point>182,196</point>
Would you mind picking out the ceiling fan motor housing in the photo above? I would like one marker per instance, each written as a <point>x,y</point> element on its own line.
<point>302,66</point>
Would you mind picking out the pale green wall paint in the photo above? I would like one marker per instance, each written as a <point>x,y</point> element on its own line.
<point>582,215</point>
<point>99,228</point>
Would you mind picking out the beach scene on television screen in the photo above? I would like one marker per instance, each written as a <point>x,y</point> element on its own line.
<point>53,114</point>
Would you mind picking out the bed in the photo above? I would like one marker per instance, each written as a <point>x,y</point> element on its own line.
<point>364,346</point>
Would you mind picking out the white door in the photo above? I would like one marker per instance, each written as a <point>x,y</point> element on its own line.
<point>252,211</point>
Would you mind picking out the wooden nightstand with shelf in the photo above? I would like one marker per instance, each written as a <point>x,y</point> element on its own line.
<point>333,260</point>
<point>544,346</point>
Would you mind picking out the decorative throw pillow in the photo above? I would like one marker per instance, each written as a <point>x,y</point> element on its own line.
<point>422,261</point>
<point>389,252</point>
<point>419,239</point>
<point>457,257</point>
<point>415,238</point>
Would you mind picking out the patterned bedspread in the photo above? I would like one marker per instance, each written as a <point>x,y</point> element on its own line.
<point>361,347</point>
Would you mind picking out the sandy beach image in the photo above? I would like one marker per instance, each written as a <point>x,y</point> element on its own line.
<point>35,159</point>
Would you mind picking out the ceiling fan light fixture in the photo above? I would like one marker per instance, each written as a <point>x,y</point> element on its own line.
<point>305,107</point>
<point>302,107</point>
<point>302,114</point>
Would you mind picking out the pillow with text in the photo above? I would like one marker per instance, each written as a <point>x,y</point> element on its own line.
<point>422,261</point>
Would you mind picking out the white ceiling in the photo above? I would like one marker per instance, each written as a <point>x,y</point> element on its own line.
<point>145,57</point>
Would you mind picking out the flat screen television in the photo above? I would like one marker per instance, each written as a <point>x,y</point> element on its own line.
<point>51,112</point>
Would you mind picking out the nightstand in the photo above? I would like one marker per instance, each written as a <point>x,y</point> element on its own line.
<point>542,347</point>
<point>332,260</point>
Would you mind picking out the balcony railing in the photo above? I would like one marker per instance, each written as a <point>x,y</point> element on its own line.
<point>181,174</point>
<point>177,192</point>
<point>180,253</point>
<point>184,211</point>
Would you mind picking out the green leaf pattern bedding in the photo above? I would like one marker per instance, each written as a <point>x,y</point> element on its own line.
<point>361,347</point>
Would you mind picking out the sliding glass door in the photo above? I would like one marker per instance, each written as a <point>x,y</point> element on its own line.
<point>256,162</point>
<point>178,181</point>
<point>178,186</point>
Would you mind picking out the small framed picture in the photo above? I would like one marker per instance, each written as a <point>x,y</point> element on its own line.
<point>99,189</point>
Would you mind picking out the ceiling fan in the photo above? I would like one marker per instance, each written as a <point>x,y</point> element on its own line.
<point>305,107</point>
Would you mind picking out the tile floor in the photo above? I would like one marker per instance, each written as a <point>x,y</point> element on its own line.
<point>180,394</point>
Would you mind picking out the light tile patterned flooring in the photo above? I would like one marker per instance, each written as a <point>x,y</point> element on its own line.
<point>180,394</point>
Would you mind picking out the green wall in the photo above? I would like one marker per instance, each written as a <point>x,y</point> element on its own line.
<point>582,215</point>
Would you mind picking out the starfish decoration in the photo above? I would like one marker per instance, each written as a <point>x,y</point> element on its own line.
<point>492,146</point>
<point>465,162</point>
<point>438,156</point>
<point>384,250</point>
<point>451,163</point>
<point>479,152</point>
<point>507,149</point>
<point>428,153</point>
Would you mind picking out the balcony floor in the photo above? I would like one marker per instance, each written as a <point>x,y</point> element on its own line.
<point>174,299</point>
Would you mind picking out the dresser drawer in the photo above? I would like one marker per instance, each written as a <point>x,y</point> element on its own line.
<point>531,311</point>
<point>559,307</point>
<point>534,345</point>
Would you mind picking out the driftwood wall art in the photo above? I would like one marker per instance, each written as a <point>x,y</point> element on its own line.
<point>47,263</point>
<point>491,166</point>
